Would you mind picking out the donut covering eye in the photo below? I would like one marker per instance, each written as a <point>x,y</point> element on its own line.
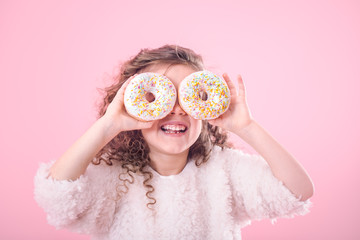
<point>139,106</point>
<point>204,95</point>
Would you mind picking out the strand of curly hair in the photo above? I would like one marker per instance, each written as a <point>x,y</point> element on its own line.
<point>130,147</point>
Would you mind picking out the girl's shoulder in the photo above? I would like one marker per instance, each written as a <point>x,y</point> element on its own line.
<point>230,159</point>
<point>236,155</point>
<point>104,172</point>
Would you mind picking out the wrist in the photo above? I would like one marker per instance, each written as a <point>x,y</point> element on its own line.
<point>109,128</point>
<point>246,129</point>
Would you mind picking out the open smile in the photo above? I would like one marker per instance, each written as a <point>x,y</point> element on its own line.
<point>174,128</point>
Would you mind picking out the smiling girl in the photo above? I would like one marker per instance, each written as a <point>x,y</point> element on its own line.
<point>174,178</point>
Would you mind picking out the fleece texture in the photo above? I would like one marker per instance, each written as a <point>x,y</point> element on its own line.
<point>213,201</point>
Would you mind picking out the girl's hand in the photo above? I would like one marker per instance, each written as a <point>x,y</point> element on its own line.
<point>238,115</point>
<point>116,114</point>
<point>74,162</point>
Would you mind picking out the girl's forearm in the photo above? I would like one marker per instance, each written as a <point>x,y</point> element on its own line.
<point>73,163</point>
<point>284,166</point>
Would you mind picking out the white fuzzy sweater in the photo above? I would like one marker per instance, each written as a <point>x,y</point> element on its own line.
<point>213,201</point>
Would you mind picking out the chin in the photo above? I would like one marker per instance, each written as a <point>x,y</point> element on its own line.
<point>174,150</point>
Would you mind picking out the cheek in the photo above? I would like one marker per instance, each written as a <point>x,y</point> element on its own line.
<point>145,135</point>
<point>148,134</point>
<point>197,128</point>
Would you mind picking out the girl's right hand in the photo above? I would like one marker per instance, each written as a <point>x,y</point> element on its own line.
<point>118,118</point>
<point>73,163</point>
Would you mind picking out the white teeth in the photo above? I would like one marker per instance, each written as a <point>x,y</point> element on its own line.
<point>174,127</point>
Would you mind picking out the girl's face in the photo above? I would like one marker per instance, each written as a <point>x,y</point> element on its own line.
<point>175,133</point>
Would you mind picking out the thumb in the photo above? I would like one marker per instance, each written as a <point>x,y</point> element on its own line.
<point>214,122</point>
<point>145,125</point>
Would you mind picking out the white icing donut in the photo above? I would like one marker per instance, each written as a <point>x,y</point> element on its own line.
<point>140,106</point>
<point>203,95</point>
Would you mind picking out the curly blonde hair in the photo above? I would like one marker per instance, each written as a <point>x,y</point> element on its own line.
<point>130,147</point>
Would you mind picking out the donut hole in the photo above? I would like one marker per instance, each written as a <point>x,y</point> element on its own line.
<point>149,97</point>
<point>203,95</point>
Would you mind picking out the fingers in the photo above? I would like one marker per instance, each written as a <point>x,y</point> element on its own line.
<point>241,84</point>
<point>230,84</point>
<point>233,90</point>
<point>120,93</point>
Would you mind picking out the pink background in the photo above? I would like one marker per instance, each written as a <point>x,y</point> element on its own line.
<point>300,61</point>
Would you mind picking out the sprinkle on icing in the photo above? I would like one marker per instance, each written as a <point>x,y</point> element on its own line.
<point>218,95</point>
<point>160,86</point>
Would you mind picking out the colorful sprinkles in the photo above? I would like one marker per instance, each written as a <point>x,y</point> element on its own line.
<point>217,91</point>
<point>160,86</point>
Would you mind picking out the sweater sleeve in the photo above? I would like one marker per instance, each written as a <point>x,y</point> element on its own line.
<point>258,191</point>
<point>84,205</point>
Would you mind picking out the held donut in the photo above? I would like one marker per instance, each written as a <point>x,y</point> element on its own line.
<point>149,96</point>
<point>203,95</point>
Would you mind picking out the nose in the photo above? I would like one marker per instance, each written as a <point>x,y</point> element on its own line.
<point>177,110</point>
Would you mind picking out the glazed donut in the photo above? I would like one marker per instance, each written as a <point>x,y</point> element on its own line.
<point>149,96</point>
<point>203,95</point>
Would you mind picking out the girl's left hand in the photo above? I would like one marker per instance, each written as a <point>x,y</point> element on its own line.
<point>238,115</point>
